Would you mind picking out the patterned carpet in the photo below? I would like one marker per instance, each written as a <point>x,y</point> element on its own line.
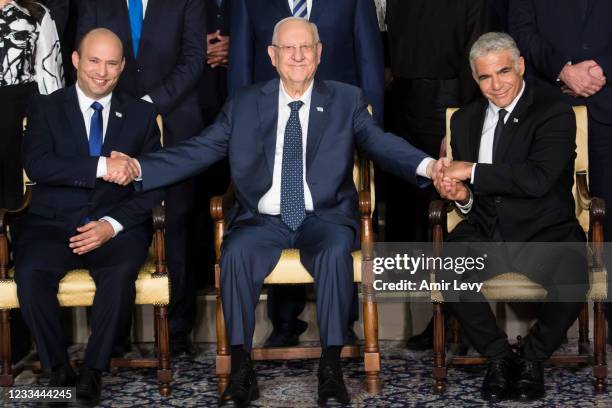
<point>406,383</point>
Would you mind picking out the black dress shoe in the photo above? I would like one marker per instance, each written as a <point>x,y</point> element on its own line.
<point>497,384</point>
<point>89,386</point>
<point>529,384</point>
<point>423,340</point>
<point>180,344</point>
<point>242,387</point>
<point>331,383</point>
<point>63,376</point>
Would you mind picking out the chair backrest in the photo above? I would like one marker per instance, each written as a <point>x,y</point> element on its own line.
<point>581,163</point>
<point>358,163</point>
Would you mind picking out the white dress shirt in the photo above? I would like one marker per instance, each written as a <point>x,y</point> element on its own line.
<point>270,202</point>
<point>308,7</point>
<point>87,112</point>
<point>485,153</point>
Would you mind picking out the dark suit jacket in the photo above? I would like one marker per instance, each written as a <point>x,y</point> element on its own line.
<point>352,47</point>
<point>552,32</point>
<point>431,39</point>
<point>527,191</point>
<point>170,57</point>
<point>246,132</point>
<point>212,87</point>
<point>60,9</point>
<point>56,157</point>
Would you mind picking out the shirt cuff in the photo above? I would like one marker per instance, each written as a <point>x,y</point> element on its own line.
<point>114,223</point>
<point>101,171</point>
<point>473,173</point>
<point>139,177</point>
<point>147,98</point>
<point>422,168</point>
<point>467,207</point>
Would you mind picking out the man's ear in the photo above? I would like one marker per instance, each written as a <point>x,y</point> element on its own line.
<point>272,53</point>
<point>75,59</point>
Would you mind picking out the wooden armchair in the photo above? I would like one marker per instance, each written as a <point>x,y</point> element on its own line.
<point>514,286</point>
<point>77,288</point>
<point>289,270</point>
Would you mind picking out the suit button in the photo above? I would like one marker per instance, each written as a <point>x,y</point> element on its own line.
<point>585,46</point>
<point>138,70</point>
<point>498,200</point>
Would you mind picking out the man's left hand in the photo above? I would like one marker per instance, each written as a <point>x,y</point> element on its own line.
<point>458,171</point>
<point>92,235</point>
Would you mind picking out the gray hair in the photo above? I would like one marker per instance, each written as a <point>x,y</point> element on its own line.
<point>313,27</point>
<point>494,42</point>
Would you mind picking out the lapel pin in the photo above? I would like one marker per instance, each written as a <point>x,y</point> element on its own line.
<point>515,120</point>
<point>119,114</point>
<point>319,108</point>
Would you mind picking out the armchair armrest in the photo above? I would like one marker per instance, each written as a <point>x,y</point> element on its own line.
<point>219,206</point>
<point>159,241</point>
<point>597,214</point>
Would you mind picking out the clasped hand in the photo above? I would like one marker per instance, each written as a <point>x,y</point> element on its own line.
<point>448,177</point>
<point>121,169</point>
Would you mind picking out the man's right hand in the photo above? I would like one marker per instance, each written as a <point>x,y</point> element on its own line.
<point>583,79</point>
<point>121,169</point>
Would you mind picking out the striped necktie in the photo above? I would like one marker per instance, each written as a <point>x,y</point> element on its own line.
<point>299,8</point>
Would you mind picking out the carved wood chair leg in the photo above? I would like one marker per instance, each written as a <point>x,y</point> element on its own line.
<point>600,369</point>
<point>584,346</point>
<point>439,369</point>
<point>223,362</point>
<point>371,349</point>
<point>164,372</point>
<point>6,371</point>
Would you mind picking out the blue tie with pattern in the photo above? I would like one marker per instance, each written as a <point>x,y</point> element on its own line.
<point>135,11</point>
<point>293,211</point>
<point>95,130</point>
<point>299,8</point>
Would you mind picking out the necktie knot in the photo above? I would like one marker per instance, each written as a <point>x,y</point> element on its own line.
<point>502,114</point>
<point>97,106</point>
<point>295,106</point>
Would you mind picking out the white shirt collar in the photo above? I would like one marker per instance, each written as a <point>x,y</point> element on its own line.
<point>285,98</point>
<point>495,109</point>
<point>85,101</point>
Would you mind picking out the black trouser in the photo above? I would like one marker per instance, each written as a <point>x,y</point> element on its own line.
<point>600,184</point>
<point>562,271</point>
<point>250,253</point>
<point>14,101</point>
<point>42,259</point>
<point>417,114</point>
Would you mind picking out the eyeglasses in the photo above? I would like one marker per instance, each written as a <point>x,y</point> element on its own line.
<point>305,49</point>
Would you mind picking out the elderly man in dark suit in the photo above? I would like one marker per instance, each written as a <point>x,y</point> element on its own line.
<point>79,220</point>
<point>164,53</point>
<point>568,48</point>
<point>512,178</point>
<point>353,54</point>
<point>290,144</point>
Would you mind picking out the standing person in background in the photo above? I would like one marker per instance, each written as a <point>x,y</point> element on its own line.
<point>353,54</point>
<point>212,92</point>
<point>568,50</point>
<point>499,15</point>
<point>164,48</point>
<point>429,43</point>
<point>59,9</point>
<point>30,63</point>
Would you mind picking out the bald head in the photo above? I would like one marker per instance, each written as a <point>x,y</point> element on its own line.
<point>292,23</point>
<point>99,62</point>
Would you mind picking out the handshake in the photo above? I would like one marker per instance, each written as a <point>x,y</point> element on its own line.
<point>448,177</point>
<point>121,169</point>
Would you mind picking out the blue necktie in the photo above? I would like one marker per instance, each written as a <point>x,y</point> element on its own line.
<point>299,8</point>
<point>135,10</point>
<point>95,130</point>
<point>293,210</point>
